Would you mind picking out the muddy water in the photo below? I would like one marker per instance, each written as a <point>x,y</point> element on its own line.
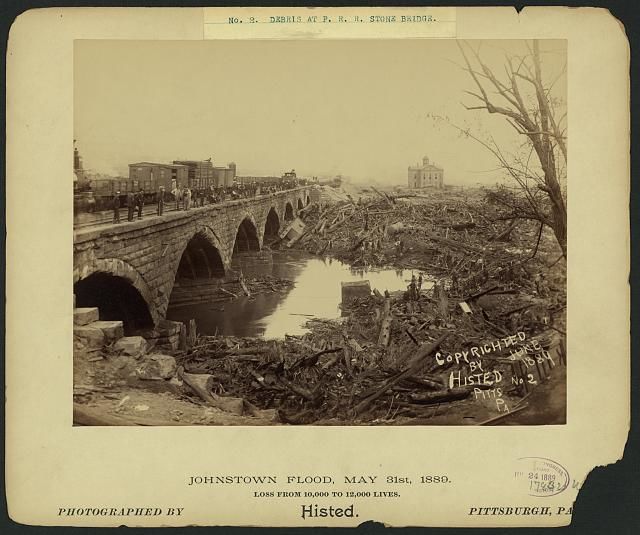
<point>316,294</point>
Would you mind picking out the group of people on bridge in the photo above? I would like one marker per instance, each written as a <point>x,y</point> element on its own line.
<point>187,197</point>
<point>135,202</point>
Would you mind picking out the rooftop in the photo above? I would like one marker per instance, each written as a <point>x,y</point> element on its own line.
<point>191,162</point>
<point>153,164</point>
<point>430,167</point>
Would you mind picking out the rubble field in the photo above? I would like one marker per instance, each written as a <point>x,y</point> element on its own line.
<point>477,338</point>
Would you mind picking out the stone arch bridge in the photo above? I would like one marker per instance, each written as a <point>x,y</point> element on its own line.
<point>128,270</point>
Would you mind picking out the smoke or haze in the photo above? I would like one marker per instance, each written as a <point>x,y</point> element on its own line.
<point>357,108</point>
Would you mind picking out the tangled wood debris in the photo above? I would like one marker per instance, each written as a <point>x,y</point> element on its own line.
<point>393,356</point>
<point>480,325</point>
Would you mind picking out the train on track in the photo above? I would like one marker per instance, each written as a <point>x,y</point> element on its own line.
<point>97,194</point>
<point>94,193</point>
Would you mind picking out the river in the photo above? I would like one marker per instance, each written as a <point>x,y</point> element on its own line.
<point>316,294</point>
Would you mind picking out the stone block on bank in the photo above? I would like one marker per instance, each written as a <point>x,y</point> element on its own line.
<point>131,345</point>
<point>113,330</point>
<point>168,328</point>
<point>89,336</point>
<point>84,316</point>
<point>164,329</point>
<point>229,404</point>
<point>157,367</point>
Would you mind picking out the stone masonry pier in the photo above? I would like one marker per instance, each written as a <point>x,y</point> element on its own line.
<point>133,265</point>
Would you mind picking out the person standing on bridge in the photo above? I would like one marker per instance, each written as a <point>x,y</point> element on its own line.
<point>140,202</point>
<point>187,198</point>
<point>131,205</point>
<point>177,193</point>
<point>116,207</point>
<point>160,200</point>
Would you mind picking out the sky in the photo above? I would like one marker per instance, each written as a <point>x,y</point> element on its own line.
<point>358,108</point>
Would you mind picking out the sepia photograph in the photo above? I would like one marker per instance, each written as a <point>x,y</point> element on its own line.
<point>315,252</point>
<point>336,233</point>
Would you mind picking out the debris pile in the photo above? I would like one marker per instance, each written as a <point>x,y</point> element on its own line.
<point>482,320</point>
<point>463,237</point>
<point>479,327</point>
<point>389,360</point>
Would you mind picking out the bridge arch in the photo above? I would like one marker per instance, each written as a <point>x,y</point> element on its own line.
<point>300,204</point>
<point>247,235</point>
<point>201,257</point>
<point>307,201</point>
<point>272,224</point>
<point>119,292</point>
<point>288,212</point>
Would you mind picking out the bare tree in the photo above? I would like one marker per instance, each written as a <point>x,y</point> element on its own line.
<point>525,100</point>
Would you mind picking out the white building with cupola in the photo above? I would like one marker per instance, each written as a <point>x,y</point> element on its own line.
<point>427,175</point>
